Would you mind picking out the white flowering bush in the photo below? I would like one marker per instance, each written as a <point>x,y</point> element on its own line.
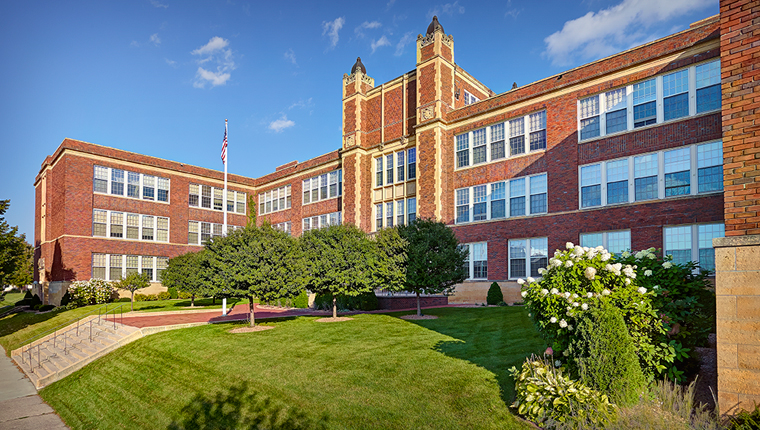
<point>579,279</point>
<point>94,291</point>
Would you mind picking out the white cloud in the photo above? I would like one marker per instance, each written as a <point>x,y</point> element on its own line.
<point>134,44</point>
<point>156,3</point>
<point>405,40</point>
<point>383,41</point>
<point>281,124</point>
<point>291,56</point>
<point>614,29</point>
<point>301,104</point>
<point>331,29</point>
<point>216,52</point>
<point>513,13</point>
<point>170,62</point>
<point>446,9</point>
<point>366,25</point>
<point>155,39</point>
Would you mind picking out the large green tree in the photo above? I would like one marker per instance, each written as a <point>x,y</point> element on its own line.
<point>435,261</point>
<point>257,262</point>
<point>13,249</point>
<point>187,273</point>
<point>390,273</point>
<point>341,260</point>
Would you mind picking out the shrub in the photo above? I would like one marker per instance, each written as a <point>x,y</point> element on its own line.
<point>22,302</point>
<point>66,299</point>
<point>173,293</point>
<point>364,302</point>
<point>606,357</point>
<point>579,279</point>
<point>141,298</point>
<point>302,300</point>
<point>46,308</point>
<point>746,420</point>
<point>495,295</point>
<point>546,396</point>
<point>94,291</point>
<point>164,295</point>
<point>184,295</point>
<point>36,302</point>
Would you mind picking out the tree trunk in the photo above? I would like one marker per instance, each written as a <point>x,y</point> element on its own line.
<point>213,300</point>
<point>192,301</point>
<point>132,302</point>
<point>335,307</point>
<point>419,309</point>
<point>253,317</point>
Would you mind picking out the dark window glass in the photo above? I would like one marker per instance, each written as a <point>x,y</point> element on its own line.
<point>481,269</point>
<point>676,106</point>
<point>708,98</point>
<point>677,184</point>
<point>537,263</point>
<point>463,158</point>
<point>538,203</point>
<point>498,208</point>
<point>646,188</point>
<point>710,179</point>
<point>645,114</point>
<point>517,268</point>
<point>479,211</point>
<point>617,121</point>
<point>479,154</point>
<point>497,150</point>
<point>517,145</point>
<point>591,196</point>
<point>617,192</point>
<point>538,140</point>
<point>517,206</point>
<point>589,128</point>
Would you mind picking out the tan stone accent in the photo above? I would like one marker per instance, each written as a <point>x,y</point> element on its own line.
<point>476,292</point>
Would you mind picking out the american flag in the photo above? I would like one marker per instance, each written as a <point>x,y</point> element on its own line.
<point>224,146</point>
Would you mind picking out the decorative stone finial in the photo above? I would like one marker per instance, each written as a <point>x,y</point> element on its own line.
<point>358,65</point>
<point>435,25</point>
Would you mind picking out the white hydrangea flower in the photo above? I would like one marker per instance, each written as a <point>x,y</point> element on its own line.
<point>541,271</point>
<point>557,363</point>
<point>570,328</point>
<point>627,281</point>
<point>555,262</point>
<point>589,294</point>
<point>530,314</point>
<point>521,281</point>
<point>568,263</point>
<point>566,352</point>
<point>584,307</point>
<point>554,291</point>
<point>544,291</point>
<point>567,294</point>
<point>576,304</point>
<point>651,249</point>
<point>651,256</point>
<point>563,323</point>
<point>578,251</point>
<point>590,273</point>
<point>640,255</point>
<point>656,287</point>
<point>530,280</point>
<point>667,264</point>
<point>642,290</point>
<point>606,256</point>
<point>553,320</point>
<point>524,293</point>
<point>605,292</point>
<point>626,254</point>
<point>569,245</point>
<point>628,270</point>
<point>647,272</point>
<point>613,268</point>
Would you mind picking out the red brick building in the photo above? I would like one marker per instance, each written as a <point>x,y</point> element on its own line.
<point>624,152</point>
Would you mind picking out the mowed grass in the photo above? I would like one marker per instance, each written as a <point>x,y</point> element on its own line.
<point>374,372</point>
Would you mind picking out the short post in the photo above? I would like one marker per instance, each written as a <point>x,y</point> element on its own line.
<point>224,306</point>
<point>90,330</point>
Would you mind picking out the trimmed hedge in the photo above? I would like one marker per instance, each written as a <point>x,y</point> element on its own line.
<point>495,295</point>
<point>362,302</point>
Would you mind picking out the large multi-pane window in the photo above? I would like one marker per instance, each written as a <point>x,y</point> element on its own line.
<point>283,226</point>
<point>138,227</point>
<point>469,98</point>
<point>688,170</point>
<point>203,196</point>
<point>682,93</point>
<point>396,167</point>
<point>378,216</point>
<point>526,256</point>
<point>411,160</point>
<point>389,169</point>
<point>514,137</point>
<point>411,210</point>
<point>613,241</point>
<point>386,215</point>
<point>275,200</point>
<point>379,171</point>
<point>323,187</point>
<point>389,214</point>
<point>400,212</point>
<point>692,243</point>
<point>476,265</point>
<point>400,165</point>
<point>113,267</point>
<point>516,197</point>
<point>120,182</point>
<point>207,231</point>
<point>320,221</point>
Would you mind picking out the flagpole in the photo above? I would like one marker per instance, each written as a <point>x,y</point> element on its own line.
<point>226,197</point>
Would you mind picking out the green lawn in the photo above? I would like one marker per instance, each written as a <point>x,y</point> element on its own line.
<point>10,300</point>
<point>375,372</point>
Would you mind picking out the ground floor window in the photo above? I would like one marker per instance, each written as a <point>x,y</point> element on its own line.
<point>320,221</point>
<point>692,243</point>
<point>476,265</point>
<point>119,266</point>
<point>613,241</point>
<point>526,256</point>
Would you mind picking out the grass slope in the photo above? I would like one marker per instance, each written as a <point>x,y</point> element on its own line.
<point>375,372</point>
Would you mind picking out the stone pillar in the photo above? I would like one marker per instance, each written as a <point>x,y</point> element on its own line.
<point>737,256</point>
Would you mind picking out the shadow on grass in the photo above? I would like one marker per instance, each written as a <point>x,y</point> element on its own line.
<point>242,408</point>
<point>20,320</point>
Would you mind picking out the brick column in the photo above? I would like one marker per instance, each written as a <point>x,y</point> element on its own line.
<point>737,287</point>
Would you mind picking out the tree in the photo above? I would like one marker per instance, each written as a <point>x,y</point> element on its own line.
<point>340,259</point>
<point>133,282</point>
<point>13,248</point>
<point>390,273</point>
<point>435,262</point>
<point>186,273</point>
<point>256,262</point>
<point>24,273</point>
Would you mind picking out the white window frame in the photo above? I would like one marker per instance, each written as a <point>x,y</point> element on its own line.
<point>694,238</point>
<point>471,261</point>
<point>125,192</point>
<point>529,246</point>
<point>469,98</point>
<point>268,197</point>
<point>318,179</point>
<point>237,197</point>
<point>605,238</point>
<point>321,221</point>
<point>153,263</point>
<point>283,226</point>
<point>213,229</point>
<point>659,102</point>
<point>140,226</point>
<point>489,192</point>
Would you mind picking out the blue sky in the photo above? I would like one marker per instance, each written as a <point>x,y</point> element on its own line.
<point>159,77</point>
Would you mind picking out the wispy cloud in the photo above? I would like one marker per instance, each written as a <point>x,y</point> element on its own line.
<point>446,9</point>
<point>383,41</point>
<point>170,62</point>
<point>302,104</point>
<point>405,40</point>
<point>616,28</point>
<point>366,25</point>
<point>291,56</point>
<point>281,124</point>
<point>134,44</point>
<point>331,29</point>
<point>156,3</point>
<point>390,4</point>
<point>154,39</point>
<point>215,53</point>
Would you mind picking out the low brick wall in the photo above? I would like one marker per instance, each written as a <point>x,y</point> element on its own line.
<point>475,292</point>
<point>406,302</point>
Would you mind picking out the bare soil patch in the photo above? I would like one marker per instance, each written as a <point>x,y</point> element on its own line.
<point>251,329</point>
<point>418,317</point>
<point>331,319</point>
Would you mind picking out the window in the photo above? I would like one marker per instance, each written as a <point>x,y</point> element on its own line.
<point>400,167</point>
<point>516,136</point>
<point>117,182</point>
<point>469,98</point>
<point>411,210</point>
<point>283,226</point>
<point>645,177</point>
<point>527,256</point>
<point>149,187</point>
<point>99,220</point>
<point>693,243</point>
<point>120,265</point>
<point>495,205</point>
<point>147,227</point>
<point>115,265</point>
<point>147,267</point>
<point>161,264</point>
<point>466,249</point>
<point>613,241</point>
<point>411,155</point>
<point>117,224</point>
<point>240,201</point>
<point>100,180</point>
<point>162,229</point>
<point>218,199</point>
<point>710,167</point>
<point>192,235</point>
<point>194,197</point>
<point>322,187</point>
<point>379,171</point>
<point>133,185</point>
<point>463,150</point>
<point>133,226</point>
<point>675,91</point>
<point>99,266</point>
<point>389,214</point>
<point>235,199</point>
<point>132,264</point>
<point>617,181</point>
<point>677,172</point>
<point>477,260</point>
<point>607,113</point>
<point>378,216</point>
<point>497,142</point>
<point>537,130</point>
<point>479,146</point>
<point>107,180</point>
<point>163,190</point>
<point>400,212</point>
<point>205,196</point>
<point>320,221</point>
<point>205,232</point>
<point>275,200</point>
<point>389,168</point>
<point>708,86</point>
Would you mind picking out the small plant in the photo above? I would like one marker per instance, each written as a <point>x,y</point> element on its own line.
<point>546,396</point>
<point>745,420</point>
<point>302,300</point>
<point>164,295</point>
<point>495,295</point>
<point>46,308</point>
<point>173,294</point>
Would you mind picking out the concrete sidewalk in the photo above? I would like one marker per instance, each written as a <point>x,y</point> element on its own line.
<point>20,406</point>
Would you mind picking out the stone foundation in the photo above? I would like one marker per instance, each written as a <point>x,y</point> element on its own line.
<point>476,292</point>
